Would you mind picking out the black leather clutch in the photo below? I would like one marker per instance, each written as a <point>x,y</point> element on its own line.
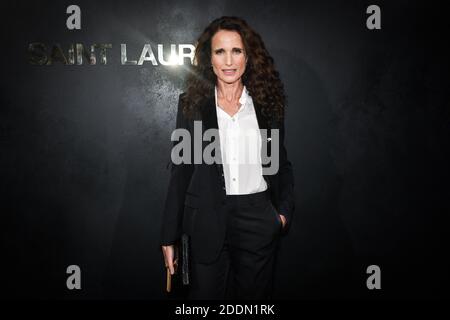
<point>185,260</point>
<point>178,282</point>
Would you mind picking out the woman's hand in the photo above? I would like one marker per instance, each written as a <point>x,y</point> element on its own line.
<point>169,254</point>
<point>283,220</point>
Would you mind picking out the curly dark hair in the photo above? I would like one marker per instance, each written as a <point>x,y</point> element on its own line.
<point>260,77</point>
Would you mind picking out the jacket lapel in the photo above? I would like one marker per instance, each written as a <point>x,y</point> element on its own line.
<point>263,123</point>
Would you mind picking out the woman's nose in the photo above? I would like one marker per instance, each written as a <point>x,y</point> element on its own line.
<point>228,59</point>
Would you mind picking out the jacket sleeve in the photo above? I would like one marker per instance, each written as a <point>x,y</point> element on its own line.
<point>286,181</point>
<point>180,176</point>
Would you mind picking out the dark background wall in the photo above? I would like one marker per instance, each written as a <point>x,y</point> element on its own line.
<point>84,148</point>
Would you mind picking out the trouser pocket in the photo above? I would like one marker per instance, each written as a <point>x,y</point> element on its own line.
<point>278,223</point>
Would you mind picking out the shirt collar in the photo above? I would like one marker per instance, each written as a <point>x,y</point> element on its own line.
<point>242,100</point>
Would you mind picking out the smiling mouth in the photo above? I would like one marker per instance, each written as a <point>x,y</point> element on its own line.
<point>229,71</point>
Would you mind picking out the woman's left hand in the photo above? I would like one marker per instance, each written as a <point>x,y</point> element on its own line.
<point>283,220</point>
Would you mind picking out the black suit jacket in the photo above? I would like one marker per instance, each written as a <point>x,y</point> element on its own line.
<point>196,192</point>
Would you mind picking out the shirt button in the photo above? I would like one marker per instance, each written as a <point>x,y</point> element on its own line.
<point>233,119</point>
<point>234,179</point>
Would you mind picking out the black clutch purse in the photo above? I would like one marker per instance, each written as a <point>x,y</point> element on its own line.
<point>185,265</point>
<point>180,278</point>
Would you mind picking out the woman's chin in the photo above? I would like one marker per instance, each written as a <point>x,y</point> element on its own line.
<point>230,80</point>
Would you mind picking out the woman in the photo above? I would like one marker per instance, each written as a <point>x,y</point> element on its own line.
<point>232,210</point>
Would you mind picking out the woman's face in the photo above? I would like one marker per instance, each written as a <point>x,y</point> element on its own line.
<point>228,56</point>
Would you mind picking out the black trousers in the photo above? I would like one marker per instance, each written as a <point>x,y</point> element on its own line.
<point>245,266</point>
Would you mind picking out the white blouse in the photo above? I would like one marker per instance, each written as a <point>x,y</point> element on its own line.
<point>240,145</point>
